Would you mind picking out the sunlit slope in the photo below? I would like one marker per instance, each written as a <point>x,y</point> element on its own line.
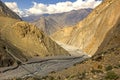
<point>90,33</point>
<point>31,40</point>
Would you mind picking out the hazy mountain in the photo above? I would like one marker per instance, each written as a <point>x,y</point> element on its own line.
<point>31,18</point>
<point>48,25</point>
<point>53,22</point>
<point>70,18</point>
<point>90,33</point>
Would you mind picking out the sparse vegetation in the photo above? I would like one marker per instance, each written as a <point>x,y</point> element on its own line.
<point>96,71</point>
<point>100,66</point>
<point>111,76</point>
<point>108,68</point>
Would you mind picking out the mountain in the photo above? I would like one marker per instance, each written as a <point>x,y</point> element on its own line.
<point>92,31</point>
<point>52,22</point>
<point>5,11</point>
<point>5,58</point>
<point>30,40</point>
<point>70,18</point>
<point>48,25</point>
<point>31,18</point>
<point>20,41</point>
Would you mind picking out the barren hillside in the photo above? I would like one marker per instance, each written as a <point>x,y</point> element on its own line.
<point>91,32</point>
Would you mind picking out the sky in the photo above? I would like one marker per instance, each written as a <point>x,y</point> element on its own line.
<point>25,8</point>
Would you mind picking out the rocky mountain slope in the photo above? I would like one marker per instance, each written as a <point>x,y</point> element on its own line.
<point>31,40</point>
<point>5,11</point>
<point>19,39</point>
<point>53,22</point>
<point>5,19</point>
<point>92,31</point>
<point>48,25</point>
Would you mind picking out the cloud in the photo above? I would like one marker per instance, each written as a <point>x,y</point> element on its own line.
<point>14,7</point>
<point>40,8</point>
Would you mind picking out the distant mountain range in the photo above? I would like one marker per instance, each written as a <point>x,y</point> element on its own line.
<point>50,23</point>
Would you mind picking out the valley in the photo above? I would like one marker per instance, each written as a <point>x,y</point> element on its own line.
<point>40,68</point>
<point>77,45</point>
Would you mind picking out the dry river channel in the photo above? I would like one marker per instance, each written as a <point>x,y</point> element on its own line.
<point>40,67</point>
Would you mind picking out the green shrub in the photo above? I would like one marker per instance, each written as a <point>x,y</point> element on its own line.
<point>111,76</point>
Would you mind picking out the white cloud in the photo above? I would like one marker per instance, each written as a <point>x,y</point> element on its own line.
<point>14,7</point>
<point>40,8</point>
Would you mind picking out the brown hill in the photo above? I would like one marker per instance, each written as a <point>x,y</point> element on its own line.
<point>5,58</point>
<point>91,32</point>
<point>31,40</point>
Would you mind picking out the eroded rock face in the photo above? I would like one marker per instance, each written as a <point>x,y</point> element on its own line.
<point>90,33</point>
<point>6,59</point>
<point>6,12</point>
<point>30,40</point>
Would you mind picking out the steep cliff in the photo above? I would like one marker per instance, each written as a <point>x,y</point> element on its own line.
<point>90,33</point>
